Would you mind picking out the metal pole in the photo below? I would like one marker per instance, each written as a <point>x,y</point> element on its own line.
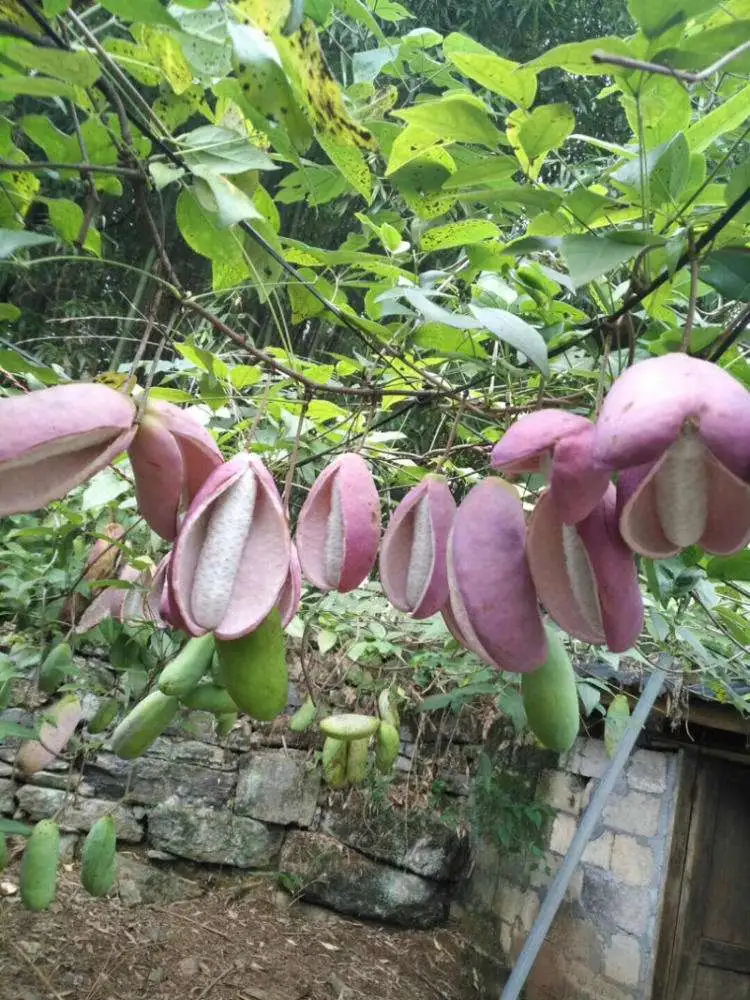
<point>557,889</point>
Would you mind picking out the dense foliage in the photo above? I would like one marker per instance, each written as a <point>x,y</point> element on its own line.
<point>355,228</point>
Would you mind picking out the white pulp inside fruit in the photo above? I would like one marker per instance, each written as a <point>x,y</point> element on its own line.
<point>681,485</point>
<point>334,553</point>
<point>422,555</point>
<point>581,577</point>
<point>229,521</point>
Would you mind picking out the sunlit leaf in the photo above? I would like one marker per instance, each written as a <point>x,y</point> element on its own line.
<point>616,723</point>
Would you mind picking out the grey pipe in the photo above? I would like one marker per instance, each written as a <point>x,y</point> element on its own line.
<point>556,891</point>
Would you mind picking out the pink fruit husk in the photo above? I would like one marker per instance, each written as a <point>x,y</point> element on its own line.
<point>55,439</point>
<point>727,523</point>
<point>172,455</point>
<point>585,575</point>
<point>648,406</point>
<point>560,444</point>
<point>413,554</point>
<point>291,592</point>
<point>491,592</point>
<point>233,552</point>
<point>35,755</point>
<point>338,530</point>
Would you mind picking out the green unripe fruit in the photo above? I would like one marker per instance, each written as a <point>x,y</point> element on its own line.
<point>38,875</point>
<point>253,669</point>
<point>98,858</point>
<point>334,762</point>
<point>225,723</point>
<point>143,724</point>
<point>304,717</point>
<point>356,761</point>
<point>349,726</point>
<point>550,697</point>
<point>386,708</point>
<point>182,674</point>
<point>389,744</point>
<point>210,698</point>
<point>104,716</point>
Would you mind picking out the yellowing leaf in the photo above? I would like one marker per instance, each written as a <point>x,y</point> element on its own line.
<point>268,15</point>
<point>485,67</point>
<point>457,234</point>
<point>317,88</point>
<point>351,163</point>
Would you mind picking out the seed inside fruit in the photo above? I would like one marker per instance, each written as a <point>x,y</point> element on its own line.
<point>229,522</point>
<point>422,554</point>
<point>335,538</point>
<point>581,576</point>
<point>681,485</point>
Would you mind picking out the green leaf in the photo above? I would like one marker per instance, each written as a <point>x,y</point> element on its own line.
<point>164,174</point>
<point>53,8</point>
<point>12,730</point>
<point>67,220</point>
<point>79,68</point>
<point>351,162</point>
<point>546,128</point>
<point>730,114</point>
<point>657,16</point>
<point>219,195</point>
<point>12,240</point>
<point>143,11</point>
<point>103,489</point>
<point>8,312</point>
<point>736,567</point>
<point>501,76</point>
<point>366,65</point>
<point>728,271</point>
<point>327,639</point>
<point>201,232</point>
<point>318,10</point>
<point>213,150</point>
<point>576,57</point>
<point>616,722</point>
<point>516,332</point>
<point>589,256</point>
<point>457,234</point>
<point>657,109</point>
<point>12,86</point>
<point>12,828</point>
<point>454,118</point>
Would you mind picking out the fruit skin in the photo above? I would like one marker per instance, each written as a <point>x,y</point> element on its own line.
<point>54,734</point>
<point>550,698</point>
<point>389,744</point>
<point>304,717</point>
<point>210,698</point>
<point>335,753</point>
<point>182,674</point>
<point>104,715</point>
<point>253,669</point>
<point>387,709</point>
<point>349,726</point>
<point>38,875</point>
<point>356,761</point>
<point>98,859</point>
<point>140,727</point>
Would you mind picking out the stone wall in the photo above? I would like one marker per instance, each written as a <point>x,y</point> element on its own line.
<point>254,801</point>
<point>603,941</point>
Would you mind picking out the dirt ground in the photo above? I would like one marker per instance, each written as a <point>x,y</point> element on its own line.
<point>242,939</point>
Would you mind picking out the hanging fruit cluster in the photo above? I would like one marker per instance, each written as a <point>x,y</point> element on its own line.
<point>665,466</point>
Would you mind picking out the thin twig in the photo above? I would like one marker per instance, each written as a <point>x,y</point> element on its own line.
<point>195,923</point>
<point>215,981</point>
<point>686,76</point>
<point>692,306</point>
<point>92,168</point>
<point>37,971</point>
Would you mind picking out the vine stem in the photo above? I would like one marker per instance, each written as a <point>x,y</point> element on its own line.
<point>88,168</point>
<point>626,62</point>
